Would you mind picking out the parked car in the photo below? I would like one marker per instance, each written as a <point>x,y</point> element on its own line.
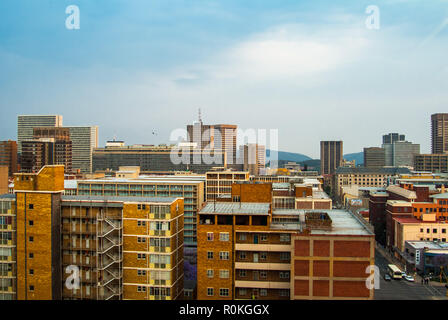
<point>403,274</point>
<point>387,277</point>
<point>409,278</point>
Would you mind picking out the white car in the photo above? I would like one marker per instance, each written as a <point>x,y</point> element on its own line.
<point>409,278</point>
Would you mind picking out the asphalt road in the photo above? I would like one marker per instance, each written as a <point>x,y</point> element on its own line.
<point>402,289</point>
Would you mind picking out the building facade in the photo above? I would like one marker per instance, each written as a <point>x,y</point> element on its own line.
<point>8,156</point>
<point>331,155</point>
<point>431,162</point>
<point>374,157</point>
<point>439,133</point>
<point>26,123</point>
<point>84,141</point>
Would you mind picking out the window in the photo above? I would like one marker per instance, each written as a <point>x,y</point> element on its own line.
<point>31,239</point>
<point>31,206</point>
<point>141,272</point>
<point>443,230</point>
<point>421,229</point>
<point>242,292</point>
<point>223,236</point>
<point>31,271</point>
<point>427,230</point>
<point>263,237</point>
<point>209,273</point>
<point>141,256</point>
<point>224,292</point>
<point>224,255</point>
<point>242,236</point>
<point>434,230</point>
<point>141,223</point>
<point>141,240</point>
<point>242,255</point>
<point>284,293</point>
<point>263,255</point>
<point>31,223</point>
<point>141,289</point>
<point>224,274</point>
<point>139,207</point>
<point>210,292</point>
<point>31,288</point>
<point>284,275</point>
<point>31,255</point>
<point>284,256</point>
<point>263,292</point>
<point>209,236</point>
<point>243,273</point>
<point>209,254</point>
<point>443,239</point>
<point>285,237</point>
<point>263,274</point>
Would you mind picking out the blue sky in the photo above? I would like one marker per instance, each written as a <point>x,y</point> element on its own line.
<point>308,68</point>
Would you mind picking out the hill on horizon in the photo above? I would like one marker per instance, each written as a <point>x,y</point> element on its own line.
<point>288,156</point>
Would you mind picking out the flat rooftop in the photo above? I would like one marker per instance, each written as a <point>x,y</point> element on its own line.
<point>428,244</point>
<point>236,208</point>
<point>145,179</point>
<point>163,200</point>
<point>343,222</point>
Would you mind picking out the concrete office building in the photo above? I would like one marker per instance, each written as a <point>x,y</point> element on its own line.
<point>253,158</point>
<point>331,155</point>
<point>8,156</point>
<point>374,157</point>
<point>393,137</point>
<point>400,153</point>
<point>439,133</point>
<point>84,140</point>
<point>157,159</point>
<point>26,123</point>
<point>431,162</point>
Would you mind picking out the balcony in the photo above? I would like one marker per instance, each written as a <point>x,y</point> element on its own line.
<point>262,266</point>
<point>262,284</point>
<point>263,247</point>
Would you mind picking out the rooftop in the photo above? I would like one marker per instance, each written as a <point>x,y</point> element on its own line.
<point>236,208</point>
<point>164,200</point>
<point>364,170</point>
<point>427,244</point>
<point>402,192</point>
<point>440,196</point>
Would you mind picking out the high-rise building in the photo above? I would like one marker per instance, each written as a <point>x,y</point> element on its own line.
<point>331,155</point>
<point>4,182</point>
<point>374,157</point>
<point>26,123</point>
<point>400,153</point>
<point>84,140</point>
<point>218,137</point>
<point>8,265</point>
<point>253,157</point>
<point>8,156</point>
<point>439,133</point>
<point>37,154</point>
<point>393,137</point>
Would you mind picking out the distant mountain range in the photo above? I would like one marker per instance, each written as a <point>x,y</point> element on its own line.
<point>288,156</point>
<point>304,159</point>
<point>358,157</point>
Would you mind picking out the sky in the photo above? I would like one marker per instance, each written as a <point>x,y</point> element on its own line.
<point>312,70</point>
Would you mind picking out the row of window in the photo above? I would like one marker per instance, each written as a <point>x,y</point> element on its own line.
<point>223,255</point>
<point>428,230</point>
<point>223,236</point>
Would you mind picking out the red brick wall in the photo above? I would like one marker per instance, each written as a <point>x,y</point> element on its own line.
<point>350,289</point>
<point>321,248</point>
<point>321,288</point>
<point>301,267</point>
<point>352,249</point>
<point>301,287</point>
<point>302,248</point>
<point>356,269</point>
<point>321,268</point>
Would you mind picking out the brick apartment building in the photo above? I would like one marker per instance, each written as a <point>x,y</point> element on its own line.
<point>124,247</point>
<point>248,250</point>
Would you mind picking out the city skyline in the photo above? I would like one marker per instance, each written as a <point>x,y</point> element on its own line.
<point>306,69</point>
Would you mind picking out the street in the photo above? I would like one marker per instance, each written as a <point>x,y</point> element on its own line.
<point>402,289</point>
